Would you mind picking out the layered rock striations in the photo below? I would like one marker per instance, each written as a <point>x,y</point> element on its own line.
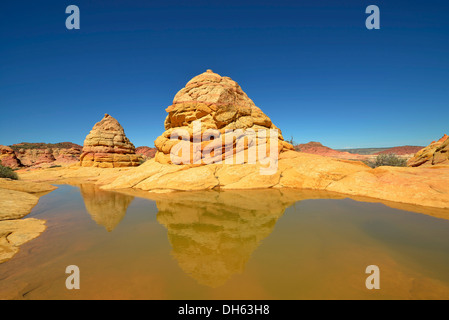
<point>47,154</point>
<point>8,158</point>
<point>146,152</point>
<point>216,105</point>
<point>106,146</point>
<point>437,153</point>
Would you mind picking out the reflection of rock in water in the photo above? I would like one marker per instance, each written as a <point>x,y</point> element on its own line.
<point>105,207</point>
<point>213,234</point>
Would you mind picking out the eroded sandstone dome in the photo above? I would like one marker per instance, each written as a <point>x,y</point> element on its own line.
<point>8,158</point>
<point>106,146</point>
<point>437,153</point>
<point>220,104</point>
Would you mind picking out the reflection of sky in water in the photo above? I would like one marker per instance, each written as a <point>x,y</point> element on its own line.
<point>248,244</point>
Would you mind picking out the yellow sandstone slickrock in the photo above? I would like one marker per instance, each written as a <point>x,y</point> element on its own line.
<point>73,173</point>
<point>17,199</point>
<point>437,153</point>
<point>417,186</point>
<point>14,233</point>
<point>26,186</point>
<point>16,204</point>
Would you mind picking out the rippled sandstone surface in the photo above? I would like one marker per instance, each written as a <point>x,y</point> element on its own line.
<point>435,154</point>
<point>17,199</point>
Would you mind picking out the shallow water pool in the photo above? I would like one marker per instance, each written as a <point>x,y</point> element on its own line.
<point>256,244</point>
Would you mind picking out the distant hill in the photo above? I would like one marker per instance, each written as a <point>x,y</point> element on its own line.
<point>47,154</point>
<point>364,151</point>
<point>41,145</point>
<point>146,151</point>
<point>400,151</point>
<point>317,148</point>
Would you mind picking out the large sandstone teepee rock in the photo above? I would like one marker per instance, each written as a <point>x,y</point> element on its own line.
<point>221,105</point>
<point>437,153</point>
<point>106,146</point>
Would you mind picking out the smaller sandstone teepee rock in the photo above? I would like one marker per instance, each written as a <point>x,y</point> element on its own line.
<point>106,146</point>
<point>437,153</point>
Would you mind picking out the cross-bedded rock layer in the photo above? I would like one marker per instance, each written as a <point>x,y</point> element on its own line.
<point>106,146</point>
<point>221,106</point>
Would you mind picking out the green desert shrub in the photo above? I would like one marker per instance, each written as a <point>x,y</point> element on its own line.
<point>390,159</point>
<point>7,172</point>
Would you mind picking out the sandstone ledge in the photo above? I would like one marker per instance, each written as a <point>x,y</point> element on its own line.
<point>416,186</point>
<point>14,233</point>
<point>16,204</point>
<point>427,187</point>
<point>17,199</point>
<point>26,186</point>
<point>437,153</point>
<point>71,173</point>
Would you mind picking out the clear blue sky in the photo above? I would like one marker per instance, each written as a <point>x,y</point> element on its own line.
<point>311,66</point>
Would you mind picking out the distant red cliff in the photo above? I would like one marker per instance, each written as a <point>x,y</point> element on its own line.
<point>400,151</point>
<point>147,152</point>
<point>317,148</point>
<point>47,154</point>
